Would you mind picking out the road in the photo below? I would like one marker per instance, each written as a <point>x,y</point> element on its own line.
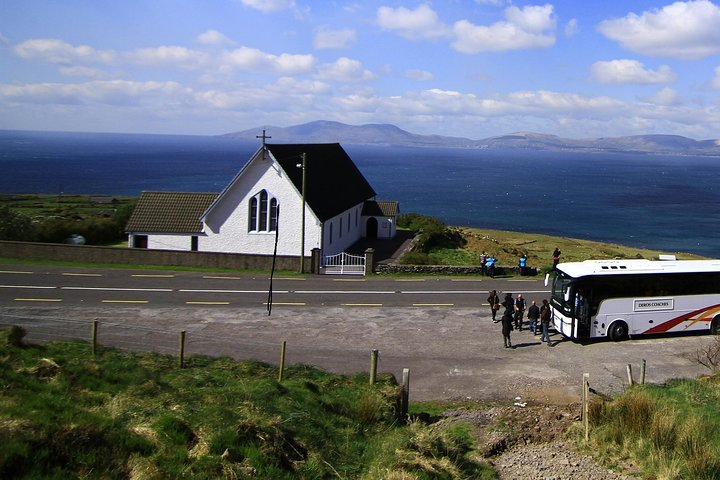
<point>440,329</point>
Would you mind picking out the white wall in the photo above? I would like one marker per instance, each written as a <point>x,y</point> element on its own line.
<point>169,242</point>
<point>347,228</point>
<point>227,225</point>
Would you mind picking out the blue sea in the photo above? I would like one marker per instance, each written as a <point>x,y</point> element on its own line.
<point>661,202</point>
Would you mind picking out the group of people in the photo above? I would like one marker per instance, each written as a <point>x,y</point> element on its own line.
<point>514,311</point>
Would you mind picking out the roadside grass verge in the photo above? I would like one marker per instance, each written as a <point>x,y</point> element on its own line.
<point>67,414</point>
<point>670,431</point>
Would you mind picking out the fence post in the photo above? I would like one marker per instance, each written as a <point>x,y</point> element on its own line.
<point>93,339</point>
<point>373,366</point>
<point>282,361</point>
<point>586,405</point>
<point>181,357</point>
<point>642,372</point>
<point>629,374</point>
<point>369,261</point>
<point>405,393</point>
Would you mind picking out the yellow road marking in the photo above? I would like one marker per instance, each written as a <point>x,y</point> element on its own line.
<point>288,303</point>
<point>221,278</point>
<point>433,304</point>
<point>151,275</point>
<point>16,271</point>
<point>362,304</point>
<point>125,301</point>
<point>38,299</point>
<point>207,303</point>
<point>82,274</point>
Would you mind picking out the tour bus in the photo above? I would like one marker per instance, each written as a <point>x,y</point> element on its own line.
<point>622,298</point>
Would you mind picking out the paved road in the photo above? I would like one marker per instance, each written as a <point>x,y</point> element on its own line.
<point>447,340</point>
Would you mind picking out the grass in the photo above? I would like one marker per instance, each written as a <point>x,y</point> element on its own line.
<point>507,247</point>
<point>67,414</point>
<point>671,431</point>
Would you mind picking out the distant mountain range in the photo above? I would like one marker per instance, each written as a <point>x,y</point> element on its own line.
<point>390,135</point>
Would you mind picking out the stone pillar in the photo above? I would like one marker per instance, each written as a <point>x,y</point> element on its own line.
<point>315,261</point>
<point>369,260</point>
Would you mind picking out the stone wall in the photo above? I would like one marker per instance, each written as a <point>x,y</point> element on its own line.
<point>141,256</point>
<point>448,270</point>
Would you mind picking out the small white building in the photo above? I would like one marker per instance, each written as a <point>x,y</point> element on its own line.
<point>264,202</point>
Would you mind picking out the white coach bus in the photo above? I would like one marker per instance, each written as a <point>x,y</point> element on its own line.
<point>621,298</point>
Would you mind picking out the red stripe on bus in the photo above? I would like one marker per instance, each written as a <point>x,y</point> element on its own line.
<point>664,327</point>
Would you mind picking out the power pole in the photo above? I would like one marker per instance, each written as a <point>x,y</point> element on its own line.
<point>302,234</point>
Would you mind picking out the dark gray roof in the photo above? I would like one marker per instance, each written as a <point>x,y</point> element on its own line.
<point>169,212</point>
<point>333,182</point>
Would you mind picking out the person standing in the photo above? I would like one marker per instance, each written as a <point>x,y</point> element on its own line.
<point>533,315</point>
<point>490,264</point>
<point>556,257</point>
<point>507,321</point>
<point>522,264</point>
<point>509,304</point>
<point>545,322</point>
<point>494,301</point>
<point>483,263</point>
<point>519,311</point>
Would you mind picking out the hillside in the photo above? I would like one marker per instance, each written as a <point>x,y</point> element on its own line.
<point>390,135</point>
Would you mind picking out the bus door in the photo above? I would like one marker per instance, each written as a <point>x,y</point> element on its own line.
<point>582,313</point>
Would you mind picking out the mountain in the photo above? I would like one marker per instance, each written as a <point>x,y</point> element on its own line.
<point>323,131</point>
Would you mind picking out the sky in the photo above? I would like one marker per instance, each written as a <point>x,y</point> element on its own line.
<point>467,68</point>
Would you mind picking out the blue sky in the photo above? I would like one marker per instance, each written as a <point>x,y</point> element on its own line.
<point>472,68</point>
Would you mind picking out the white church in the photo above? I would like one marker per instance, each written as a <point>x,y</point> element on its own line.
<point>265,202</point>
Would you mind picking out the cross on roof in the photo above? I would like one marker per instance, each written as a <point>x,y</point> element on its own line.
<point>263,136</point>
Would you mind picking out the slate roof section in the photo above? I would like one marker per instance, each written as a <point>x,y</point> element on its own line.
<point>380,208</point>
<point>169,212</point>
<point>333,181</point>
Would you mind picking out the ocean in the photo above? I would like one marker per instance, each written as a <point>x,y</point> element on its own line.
<point>662,202</point>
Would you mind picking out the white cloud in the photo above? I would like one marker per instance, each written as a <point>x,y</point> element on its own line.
<point>344,70</point>
<point>213,37</point>
<point>327,38</point>
<point>716,80</point>
<point>527,27</point>
<point>420,75</point>
<point>269,5</point>
<point>665,97</point>
<point>571,28</point>
<point>630,72</point>
<point>683,30</point>
<point>421,23</point>
<point>246,58</point>
<point>80,71</point>
<point>110,92</point>
<point>180,57</point>
<point>57,51</point>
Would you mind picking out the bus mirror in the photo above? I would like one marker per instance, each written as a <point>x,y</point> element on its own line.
<point>567,295</point>
<point>547,279</point>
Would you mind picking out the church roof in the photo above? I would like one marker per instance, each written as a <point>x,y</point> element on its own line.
<point>333,182</point>
<point>169,212</point>
<point>380,208</point>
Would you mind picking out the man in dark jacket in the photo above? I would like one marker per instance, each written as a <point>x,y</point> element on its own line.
<point>533,315</point>
<point>507,326</point>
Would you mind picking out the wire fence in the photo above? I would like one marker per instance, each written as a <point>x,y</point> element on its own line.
<point>213,340</point>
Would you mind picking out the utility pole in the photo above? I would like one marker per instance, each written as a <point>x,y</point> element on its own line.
<point>302,234</point>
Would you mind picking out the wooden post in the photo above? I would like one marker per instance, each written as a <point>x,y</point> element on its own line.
<point>642,372</point>
<point>94,337</point>
<point>629,374</point>
<point>586,405</point>
<point>282,361</point>
<point>405,393</point>
<point>373,366</point>
<point>181,358</point>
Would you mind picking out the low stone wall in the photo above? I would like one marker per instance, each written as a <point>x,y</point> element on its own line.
<point>448,270</point>
<point>141,256</point>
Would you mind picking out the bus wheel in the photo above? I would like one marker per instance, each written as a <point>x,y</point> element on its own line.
<point>715,326</point>
<point>618,331</point>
